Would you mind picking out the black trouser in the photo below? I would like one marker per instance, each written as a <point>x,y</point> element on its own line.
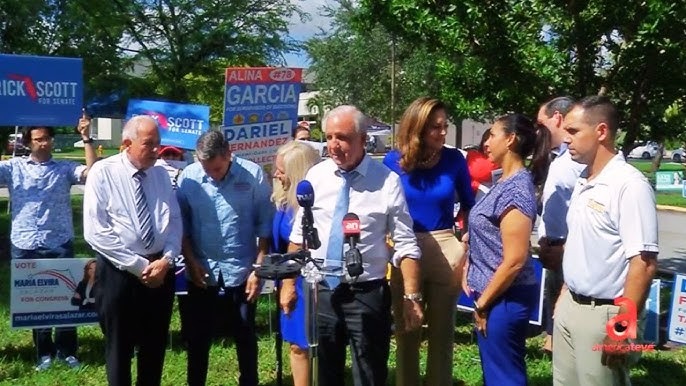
<point>65,342</point>
<point>130,315</point>
<point>359,315</point>
<point>202,311</point>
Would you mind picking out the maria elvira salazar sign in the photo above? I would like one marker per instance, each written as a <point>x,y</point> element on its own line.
<point>40,90</point>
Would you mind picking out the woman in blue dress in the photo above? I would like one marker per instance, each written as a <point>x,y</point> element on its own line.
<point>293,160</point>
<point>500,273</point>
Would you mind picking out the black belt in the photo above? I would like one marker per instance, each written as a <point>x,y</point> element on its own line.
<point>154,256</point>
<point>587,300</point>
<point>363,286</point>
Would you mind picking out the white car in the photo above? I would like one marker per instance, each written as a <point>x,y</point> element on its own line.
<point>647,151</point>
<point>678,155</point>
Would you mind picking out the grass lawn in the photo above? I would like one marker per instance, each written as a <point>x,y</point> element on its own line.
<point>662,198</point>
<point>17,355</point>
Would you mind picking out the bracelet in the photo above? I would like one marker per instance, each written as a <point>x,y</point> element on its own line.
<point>88,140</point>
<point>477,309</point>
<point>415,297</point>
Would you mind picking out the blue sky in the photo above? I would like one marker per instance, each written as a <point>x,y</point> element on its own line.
<point>303,31</point>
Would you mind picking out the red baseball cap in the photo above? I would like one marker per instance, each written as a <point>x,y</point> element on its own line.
<point>169,150</point>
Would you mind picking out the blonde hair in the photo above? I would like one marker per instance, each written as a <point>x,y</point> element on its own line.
<point>414,122</point>
<point>298,158</point>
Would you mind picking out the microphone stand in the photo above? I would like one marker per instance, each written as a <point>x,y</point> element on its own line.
<point>275,268</point>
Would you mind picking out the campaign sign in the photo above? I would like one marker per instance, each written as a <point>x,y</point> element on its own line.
<point>652,318</point>
<point>52,292</point>
<point>669,181</point>
<point>180,124</point>
<point>466,303</point>
<point>676,332</point>
<point>40,90</point>
<point>260,110</point>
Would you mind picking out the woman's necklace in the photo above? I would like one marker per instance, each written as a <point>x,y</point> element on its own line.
<point>429,161</point>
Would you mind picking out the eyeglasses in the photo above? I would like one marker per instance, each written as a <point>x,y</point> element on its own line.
<point>42,140</point>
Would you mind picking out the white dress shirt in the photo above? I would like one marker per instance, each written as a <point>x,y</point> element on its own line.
<point>377,197</point>
<point>611,219</point>
<point>557,191</point>
<point>110,223</point>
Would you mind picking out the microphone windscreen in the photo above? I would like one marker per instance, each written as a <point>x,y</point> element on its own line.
<point>351,225</point>
<point>304,193</point>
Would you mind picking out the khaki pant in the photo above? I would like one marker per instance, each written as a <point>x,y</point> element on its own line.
<point>442,255</point>
<point>578,329</point>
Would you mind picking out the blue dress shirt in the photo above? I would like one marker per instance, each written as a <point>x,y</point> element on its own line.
<point>224,218</point>
<point>41,201</point>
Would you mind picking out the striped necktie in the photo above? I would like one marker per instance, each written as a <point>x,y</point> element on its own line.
<point>334,252</point>
<point>142,211</point>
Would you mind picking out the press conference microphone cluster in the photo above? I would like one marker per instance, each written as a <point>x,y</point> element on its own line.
<point>304,193</point>
<point>351,233</point>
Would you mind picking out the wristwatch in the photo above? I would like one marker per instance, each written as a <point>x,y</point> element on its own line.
<point>414,297</point>
<point>170,261</point>
<point>88,140</point>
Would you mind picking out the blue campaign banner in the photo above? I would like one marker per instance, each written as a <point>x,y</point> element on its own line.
<point>652,307</point>
<point>40,90</point>
<point>260,110</point>
<point>180,124</point>
<point>465,303</point>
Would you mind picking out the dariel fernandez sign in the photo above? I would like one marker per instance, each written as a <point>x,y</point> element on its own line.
<point>260,110</point>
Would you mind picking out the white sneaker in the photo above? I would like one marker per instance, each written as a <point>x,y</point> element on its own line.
<point>45,363</point>
<point>72,362</point>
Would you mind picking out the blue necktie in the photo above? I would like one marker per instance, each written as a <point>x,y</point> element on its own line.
<point>143,212</point>
<point>334,252</point>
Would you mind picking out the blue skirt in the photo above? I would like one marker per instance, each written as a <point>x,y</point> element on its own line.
<point>293,325</point>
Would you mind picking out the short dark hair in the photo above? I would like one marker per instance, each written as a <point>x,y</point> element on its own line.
<point>211,144</point>
<point>26,133</point>
<point>299,128</point>
<point>561,104</point>
<point>599,109</point>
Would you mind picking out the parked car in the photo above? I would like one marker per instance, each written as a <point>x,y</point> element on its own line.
<point>13,141</point>
<point>646,151</point>
<point>678,155</point>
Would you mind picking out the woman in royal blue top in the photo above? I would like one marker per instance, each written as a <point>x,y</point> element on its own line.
<point>432,175</point>
<point>293,160</point>
<point>500,273</point>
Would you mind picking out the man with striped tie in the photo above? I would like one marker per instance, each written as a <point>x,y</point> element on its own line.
<point>131,219</point>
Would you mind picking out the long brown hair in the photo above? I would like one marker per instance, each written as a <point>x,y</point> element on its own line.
<point>413,124</point>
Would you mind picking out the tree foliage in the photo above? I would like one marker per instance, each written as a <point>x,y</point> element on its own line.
<point>354,66</point>
<point>509,55</point>
<point>175,50</point>
<point>187,44</point>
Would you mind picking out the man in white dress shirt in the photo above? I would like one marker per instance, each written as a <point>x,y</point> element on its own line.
<point>357,312</point>
<point>132,220</point>
<point>557,191</point>
<point>611,252</point>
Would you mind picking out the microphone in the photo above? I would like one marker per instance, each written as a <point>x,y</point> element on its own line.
<point>351,233</point>
<point>304,193</point>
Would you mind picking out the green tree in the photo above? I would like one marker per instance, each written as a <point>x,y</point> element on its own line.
<point>504,55</point>
<point>355,66</point>
<point>187,44</point>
